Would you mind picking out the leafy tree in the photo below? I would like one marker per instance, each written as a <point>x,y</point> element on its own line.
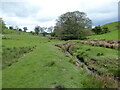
<point>25,29</point>
<point>11,27</point>
<point>37,30</point>
<point>16,28</point>
<point>50,29</point>
<point>100,30</point>
<point>44,34</point>
<point>53,34</point>
<point>97,29</point>
<point>20,29</point>
<point>71,25</point>
<point>2,24</point>
<point>43,31</point>
<point>105,29</point>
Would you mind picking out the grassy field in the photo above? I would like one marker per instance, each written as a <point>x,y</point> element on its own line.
<point>43,67</point>
<point>31,61</point>
<point>112,35</point>
<point>112,26</point>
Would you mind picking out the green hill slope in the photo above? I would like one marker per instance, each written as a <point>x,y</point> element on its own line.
<point>113,35</point>
<point>34,62</point>
<point>112,26</point>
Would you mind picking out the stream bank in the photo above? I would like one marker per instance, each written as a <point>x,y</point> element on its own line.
<point>80,63</point>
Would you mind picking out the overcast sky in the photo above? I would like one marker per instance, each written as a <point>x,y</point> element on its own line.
<point>45,12</point>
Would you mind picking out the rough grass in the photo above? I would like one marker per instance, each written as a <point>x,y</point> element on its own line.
<point>43,67</point>
<point>103,60</point>
<point>11,55</point>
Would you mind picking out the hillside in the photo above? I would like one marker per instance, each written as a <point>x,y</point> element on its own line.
<point>112,35</point>
<point>112,26</point>
<point>34,61</point>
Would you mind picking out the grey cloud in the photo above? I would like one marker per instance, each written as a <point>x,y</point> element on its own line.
<point>103,14</point>
<point>103,18</point>
<point>104,21</point>
<point>18,9</point>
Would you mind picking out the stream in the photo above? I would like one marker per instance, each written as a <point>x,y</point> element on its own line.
<point>88,70</point>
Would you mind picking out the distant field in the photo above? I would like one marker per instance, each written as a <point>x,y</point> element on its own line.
<point>112,26</point>
<point>112,35</point>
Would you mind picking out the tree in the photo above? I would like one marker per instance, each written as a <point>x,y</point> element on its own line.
<point>71,25</point>
<point>20,29</point>
<point>105,29</point>
<point>43,31</point>
<point>2,24</point>
<point>16,28</point>
<point>37,30</point>
<point>11,27</point>
<point>44,34</point>
<point>50,29</point>
<point>25,29</point>
<point>97,30</point>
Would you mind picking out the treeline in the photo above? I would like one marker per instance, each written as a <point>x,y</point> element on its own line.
<point>100,30</point>
<point>42,30</point>
<point>71,25</point>
<point>17,28</point>
<point>37,30</point>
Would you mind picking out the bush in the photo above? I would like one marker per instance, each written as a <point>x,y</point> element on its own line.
<point>105,30</point>
<point>100,30</point>
<point>97,30</point>
<point>100,54</point>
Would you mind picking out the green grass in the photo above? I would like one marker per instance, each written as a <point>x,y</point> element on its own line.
<point>112,26</point>
<point>112,35</point>
<point>43,67</point>
<point>103,60</point>
<point>8,31</point>
<point>11,55</point>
